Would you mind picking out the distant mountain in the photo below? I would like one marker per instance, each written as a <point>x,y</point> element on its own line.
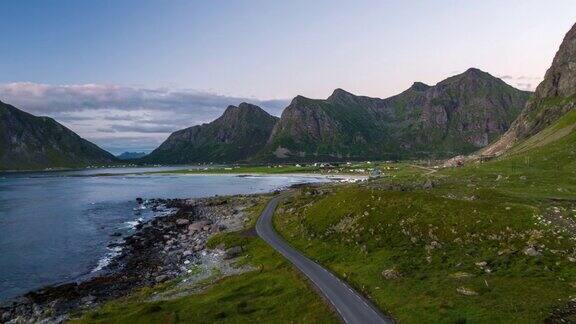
<point>554,100</point>
<point>458,115</point>
<point>131,155</point>
<point>28,142</point>
<point>238,134</point>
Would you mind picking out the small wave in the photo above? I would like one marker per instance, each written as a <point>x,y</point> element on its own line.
<point>134,223</point>
<point>105,261</point>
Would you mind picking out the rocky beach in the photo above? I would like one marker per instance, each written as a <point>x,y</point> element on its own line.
<point>164,248</point>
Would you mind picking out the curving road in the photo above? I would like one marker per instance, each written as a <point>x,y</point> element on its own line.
<point>351,306</point>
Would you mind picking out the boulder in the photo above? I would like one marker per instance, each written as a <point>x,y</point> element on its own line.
<point>531,251</point>
<point>197,226</point>
<point>428,185</point>
<point>182,221</point>
<point>481,264</point>
<point>161,278</point>
<point>233,252</point>
<point>391,274</point>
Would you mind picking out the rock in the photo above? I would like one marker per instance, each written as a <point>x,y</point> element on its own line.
<point>233,252</point>
<point>391,274</point>
<point>531,251</point>
<point>88,300</point>
<point>161,278</point>
<point>182,221</point>
<point>116,234</point>
<point>461,275</point>
<point>481,264</point>
<point>206,228</point>
<point>466,291</point>
<point>428,185</point>
<point>197,226</point>
<point>187,253</point>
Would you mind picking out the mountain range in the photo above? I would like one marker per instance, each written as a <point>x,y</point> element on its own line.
<point>458,115</point>
<point>466,113</point>
<point>29,142</point>
<point>131,155</point>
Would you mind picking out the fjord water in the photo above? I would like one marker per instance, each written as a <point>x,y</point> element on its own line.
<point>55,226</point>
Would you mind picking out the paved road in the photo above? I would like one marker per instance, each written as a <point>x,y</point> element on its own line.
<point>351,306</point>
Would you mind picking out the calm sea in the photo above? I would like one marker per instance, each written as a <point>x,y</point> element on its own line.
<point>55,226</point>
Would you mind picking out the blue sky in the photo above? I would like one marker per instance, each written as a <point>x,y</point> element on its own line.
<point>56,54</point>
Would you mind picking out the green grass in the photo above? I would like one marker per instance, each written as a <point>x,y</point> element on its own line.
<point>274,292</point>
<point>359,232</point>
<point>436,238</point>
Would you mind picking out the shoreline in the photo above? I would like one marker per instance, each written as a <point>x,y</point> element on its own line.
<point>161,249</point>
<point>303,175</point>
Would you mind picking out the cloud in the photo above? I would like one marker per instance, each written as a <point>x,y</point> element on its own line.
<point>525,86</point>
<point>140,129</point>
<point>137,117</point>
<point>522,82</point>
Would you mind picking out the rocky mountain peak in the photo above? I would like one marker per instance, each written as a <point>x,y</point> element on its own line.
<point>560,79</point>
<point>299,100</point>
<point>341,96</point>
<point>339,92</point>
<point>551,101</point>
<point>476,74</point>
<point>471,81</point>
<point>248,106</point>
<point>419,86</point>
<point>241,111</point>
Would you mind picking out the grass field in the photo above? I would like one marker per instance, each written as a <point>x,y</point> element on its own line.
<point>486,243</point>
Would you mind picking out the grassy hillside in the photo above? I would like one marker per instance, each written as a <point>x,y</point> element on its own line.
<point>493,242</point>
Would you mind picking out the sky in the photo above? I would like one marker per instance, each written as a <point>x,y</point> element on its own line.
<point>126,73</point>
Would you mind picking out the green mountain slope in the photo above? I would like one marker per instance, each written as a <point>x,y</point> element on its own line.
<point>458,115</point>
<point>28,142</point>
<point>236,135</point>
